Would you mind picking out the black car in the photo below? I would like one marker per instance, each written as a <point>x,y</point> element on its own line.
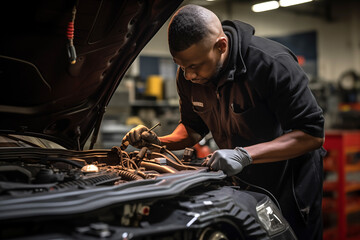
<point>60,63</point>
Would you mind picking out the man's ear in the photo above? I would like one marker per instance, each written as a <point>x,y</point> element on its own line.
<point>221,44</point>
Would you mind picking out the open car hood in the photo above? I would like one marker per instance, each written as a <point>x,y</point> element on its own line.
<point>42,93</point>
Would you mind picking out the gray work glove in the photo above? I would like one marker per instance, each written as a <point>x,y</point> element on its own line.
<point>231,161</point>
<point>139,137</point>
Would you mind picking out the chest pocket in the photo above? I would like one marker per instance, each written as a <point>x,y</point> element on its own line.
<point>250,120</point>
<point>253,125</point>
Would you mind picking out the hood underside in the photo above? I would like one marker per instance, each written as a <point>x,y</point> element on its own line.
<point>42,93</point>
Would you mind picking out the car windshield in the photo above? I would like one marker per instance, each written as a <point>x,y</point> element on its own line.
<point>11,140</point>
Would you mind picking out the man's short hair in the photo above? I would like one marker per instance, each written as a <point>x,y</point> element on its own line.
<point>187,27</point>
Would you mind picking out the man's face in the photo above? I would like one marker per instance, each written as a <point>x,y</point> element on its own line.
<point>201,62</point>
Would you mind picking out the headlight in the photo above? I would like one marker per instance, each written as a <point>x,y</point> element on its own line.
<point>271,218</point>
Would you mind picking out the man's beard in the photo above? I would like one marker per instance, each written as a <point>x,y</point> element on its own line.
<point>217,74</point>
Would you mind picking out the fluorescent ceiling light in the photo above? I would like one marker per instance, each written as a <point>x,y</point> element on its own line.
<point>287,3</point>
<point>265,6</point>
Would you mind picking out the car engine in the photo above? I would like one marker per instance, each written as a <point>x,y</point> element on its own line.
<point>60,170</point>
<point>95,194</point>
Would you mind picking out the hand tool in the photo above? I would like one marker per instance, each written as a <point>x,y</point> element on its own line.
<point>125,143</point>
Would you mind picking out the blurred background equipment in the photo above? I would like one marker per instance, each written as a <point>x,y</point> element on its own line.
<point>154,87</point>
<point>349,96</point>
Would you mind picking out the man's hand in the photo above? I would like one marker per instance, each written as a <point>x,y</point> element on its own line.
<point>139,137</point>
<point>231,161</point>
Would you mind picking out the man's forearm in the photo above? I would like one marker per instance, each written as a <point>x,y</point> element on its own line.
<point>180,138</point>
<point>290,145</point>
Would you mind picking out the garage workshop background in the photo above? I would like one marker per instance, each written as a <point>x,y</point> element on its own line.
<point>325,35</point>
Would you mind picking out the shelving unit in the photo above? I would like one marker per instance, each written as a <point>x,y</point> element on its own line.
<point>341,194</point>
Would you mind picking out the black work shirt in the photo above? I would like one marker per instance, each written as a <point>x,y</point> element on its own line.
<point>266,96</point>
<point>262,94</point>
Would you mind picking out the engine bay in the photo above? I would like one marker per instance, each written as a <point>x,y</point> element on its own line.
<point>48,193</point>
<point>50,171</point>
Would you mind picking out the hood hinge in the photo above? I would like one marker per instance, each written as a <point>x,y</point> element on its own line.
<point>78,135</point>
<point>97,127</point>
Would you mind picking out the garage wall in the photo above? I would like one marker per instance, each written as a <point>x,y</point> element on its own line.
<point>338,41</point>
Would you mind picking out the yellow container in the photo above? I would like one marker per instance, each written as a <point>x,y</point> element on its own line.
<point>154,86</point>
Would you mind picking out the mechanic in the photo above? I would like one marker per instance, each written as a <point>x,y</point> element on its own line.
<point>253,96</point>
